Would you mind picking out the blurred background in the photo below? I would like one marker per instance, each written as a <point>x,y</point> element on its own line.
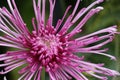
<point>107,17</point>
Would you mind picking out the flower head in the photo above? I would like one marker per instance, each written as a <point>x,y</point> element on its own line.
<point>52,47</point>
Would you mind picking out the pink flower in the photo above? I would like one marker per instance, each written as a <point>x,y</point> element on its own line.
<point>53,47</point>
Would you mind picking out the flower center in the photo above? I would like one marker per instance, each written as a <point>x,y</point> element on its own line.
<point>45,50</point>
<point>47,44</point>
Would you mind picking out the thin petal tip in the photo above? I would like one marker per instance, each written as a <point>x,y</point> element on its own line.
<point>5,78</point>
<point>113,58</point>
<point>100,8</point>
<point>100,1</point>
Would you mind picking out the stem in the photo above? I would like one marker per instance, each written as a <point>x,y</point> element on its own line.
<point>117,51</point>
<point>43,74</point>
